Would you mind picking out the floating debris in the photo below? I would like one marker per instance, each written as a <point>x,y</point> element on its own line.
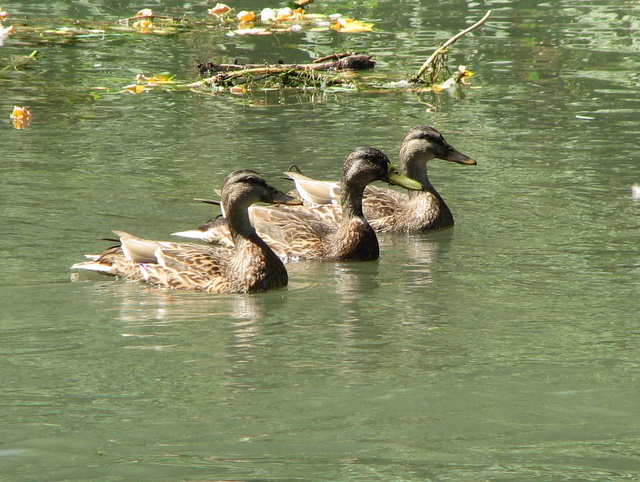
<point>21,117</point>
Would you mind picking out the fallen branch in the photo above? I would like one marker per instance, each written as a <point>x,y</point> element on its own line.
<point>333,57</point>
<point>337,62</point>
<point>278,76</point>
<point>436,61</point>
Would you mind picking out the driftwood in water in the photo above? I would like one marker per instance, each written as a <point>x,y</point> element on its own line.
<point>271,77</point>
<point>432,67</point>
<point>345,61</point>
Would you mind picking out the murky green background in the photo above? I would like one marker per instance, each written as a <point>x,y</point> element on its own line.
<point>507,348</point>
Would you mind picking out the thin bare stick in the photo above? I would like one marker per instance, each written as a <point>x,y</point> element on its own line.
<point>443,48</point>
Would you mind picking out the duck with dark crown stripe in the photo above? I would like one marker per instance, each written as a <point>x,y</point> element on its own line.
<point>313,232</point>
<point>388,210</point>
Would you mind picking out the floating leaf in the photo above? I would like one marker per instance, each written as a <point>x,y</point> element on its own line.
<point>145,12</point>
<point>134,88</point>
<point>447,84</point>
<point>219,10</point>
<point>285,14</point>
<point>21,117</point>
<point>162,79</point>
<point>460,78</point>
<point>349,25</point>
<point>245,16</point>
<point>238,90</point>
<point>267,15</point>
<point>156,79</point>
<point>463,75</point>
<point>143,25</point>
<point>4,33</point>
<point>252,31</point>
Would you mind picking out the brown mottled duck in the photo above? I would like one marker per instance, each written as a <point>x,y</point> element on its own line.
<point>250,266</point>
<point>314,232</point>
<point>386,209</point>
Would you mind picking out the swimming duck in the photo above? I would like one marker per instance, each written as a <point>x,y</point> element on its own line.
<point>322,232</point>
<point>388,210</point>
<point>249,267</point>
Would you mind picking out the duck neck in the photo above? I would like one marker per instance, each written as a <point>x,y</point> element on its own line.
<point>355,238</point>
<point>239,224</point>
<point>254,265</point>
<point>351,200</point>
<point>418,170</point>
<point>428,202</point>
<point>245,238</point>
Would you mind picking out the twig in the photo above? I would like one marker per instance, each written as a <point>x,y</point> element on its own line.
<point>444,47</point>
<point>332,57</point>
<point>125,21</point>
<point>226,77</point>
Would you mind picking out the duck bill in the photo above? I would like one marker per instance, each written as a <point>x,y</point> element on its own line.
<point>274,196</point>
<point>394,177</point>
<point>455,156</point>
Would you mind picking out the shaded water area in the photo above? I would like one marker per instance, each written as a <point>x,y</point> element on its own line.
<point>506,348</point>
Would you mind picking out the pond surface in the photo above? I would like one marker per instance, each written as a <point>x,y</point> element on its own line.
<point>506,348</point>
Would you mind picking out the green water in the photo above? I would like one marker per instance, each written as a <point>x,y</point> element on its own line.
<point>507,348</point>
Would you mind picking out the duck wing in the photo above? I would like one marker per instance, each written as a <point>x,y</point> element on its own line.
<point>112,262</point>
<point>313,191</point>
<point>189,266</point>
<point>214,231</point>
<point>292,233</point>
<point>381,202</point>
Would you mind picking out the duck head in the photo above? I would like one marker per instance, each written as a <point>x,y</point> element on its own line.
<point>245,187</point>
<point>426,143</point>
<point>367,164</point>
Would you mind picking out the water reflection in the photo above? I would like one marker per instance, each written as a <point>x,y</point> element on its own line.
<point>139,304</point>
<point>512,337</point>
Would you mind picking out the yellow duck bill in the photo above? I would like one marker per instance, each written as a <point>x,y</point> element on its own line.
<point>394,177</point>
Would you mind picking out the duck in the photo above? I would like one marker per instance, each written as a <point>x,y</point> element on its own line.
<point>388,210</point>
<point>320,231</point>
<point>250,266</point>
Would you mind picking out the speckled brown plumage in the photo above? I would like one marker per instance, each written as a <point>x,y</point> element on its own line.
<point>388,210</point>
<point>250,266</point>
<point>313,232</point>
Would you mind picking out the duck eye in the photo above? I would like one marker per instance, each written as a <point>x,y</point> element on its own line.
<point>257,181</point>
